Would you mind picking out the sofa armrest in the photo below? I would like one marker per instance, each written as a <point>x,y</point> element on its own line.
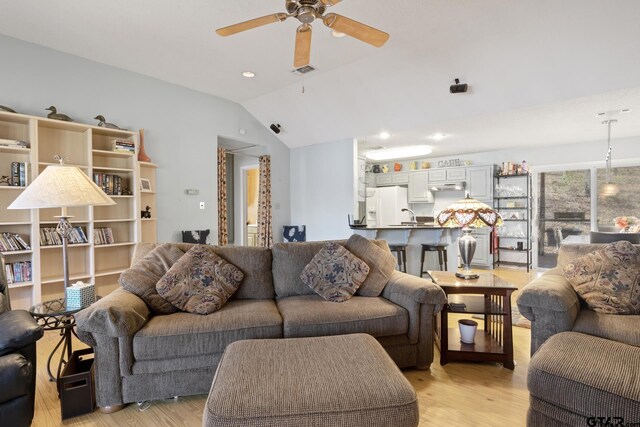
<point>422,291</point>
<point>119,314</point>
<point>18,330</point>
<point>551,304</point>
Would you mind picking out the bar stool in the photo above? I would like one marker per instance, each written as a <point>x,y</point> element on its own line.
<point>401,253</point>
<point>441,248</point>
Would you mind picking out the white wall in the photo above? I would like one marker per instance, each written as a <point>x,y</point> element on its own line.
<point>181,126</point>
<point>322,191</point>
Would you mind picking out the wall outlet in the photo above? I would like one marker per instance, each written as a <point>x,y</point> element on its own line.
<point>201,205</point>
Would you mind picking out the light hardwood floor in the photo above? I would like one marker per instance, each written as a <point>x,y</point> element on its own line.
<point>457,394</point>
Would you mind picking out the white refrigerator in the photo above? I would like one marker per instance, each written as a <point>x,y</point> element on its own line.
<point>385,207</point>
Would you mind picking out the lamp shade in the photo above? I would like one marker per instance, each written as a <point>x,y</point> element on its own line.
<point>61,186</point>
<point>469,212</point>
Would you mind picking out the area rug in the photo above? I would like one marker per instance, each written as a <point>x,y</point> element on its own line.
<point>517,319</point>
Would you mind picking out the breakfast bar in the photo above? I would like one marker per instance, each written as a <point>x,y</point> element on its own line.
<point>414,236</point>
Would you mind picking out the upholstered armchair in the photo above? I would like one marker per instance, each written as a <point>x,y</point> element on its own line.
<point>18,335</point>
<point>553,306</point>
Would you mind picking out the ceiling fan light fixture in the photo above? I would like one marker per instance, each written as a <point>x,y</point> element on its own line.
<point>399,152</point>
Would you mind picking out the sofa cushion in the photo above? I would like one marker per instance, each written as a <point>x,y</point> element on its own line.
<point>289,259</point>
<point>142,277</point>
<point>380,260</point>
<point>255,264</point>
<point>188,335</point>
<point>200,282</point>
<point>607,279</point>
<point>334,273</point>
<point>616,328</point>
<point>310,316</point>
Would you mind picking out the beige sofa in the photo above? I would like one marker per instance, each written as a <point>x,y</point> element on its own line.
<point>140,356</point>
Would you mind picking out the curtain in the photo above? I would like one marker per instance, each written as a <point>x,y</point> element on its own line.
<point>265,233</point>
<point>223,232</point>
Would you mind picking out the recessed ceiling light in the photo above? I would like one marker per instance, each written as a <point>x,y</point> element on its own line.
<point>249,74</point>
<point>384,135</point>
<point>337,34</point>
<point>437,136</point>
<point>399,152</point>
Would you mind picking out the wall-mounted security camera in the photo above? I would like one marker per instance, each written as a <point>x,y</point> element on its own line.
<point>458,88</point>
<point>276,128</point>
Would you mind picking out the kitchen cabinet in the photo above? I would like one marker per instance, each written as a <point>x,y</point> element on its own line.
<point>392,178</point>
<point>482,256</point>
<point>419,187</point>
<point>383,179</point>
<point>446,175</point>
<point>480,182</point>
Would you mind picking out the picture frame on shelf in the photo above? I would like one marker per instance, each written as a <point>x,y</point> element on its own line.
<point>145,185</point>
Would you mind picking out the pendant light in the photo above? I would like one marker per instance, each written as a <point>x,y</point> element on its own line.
<point>609,189</point>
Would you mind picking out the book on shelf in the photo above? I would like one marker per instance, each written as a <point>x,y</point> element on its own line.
<point>20,174</point>
<point>103,236</point>
<point>13,242</point>
<point>110,184</point>
<point>50,237</point>
<point>18,272</point>
<point>14,143</point>
<point>123,146</point>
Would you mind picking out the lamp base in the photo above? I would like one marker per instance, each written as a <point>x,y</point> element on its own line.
<point>467,276</point>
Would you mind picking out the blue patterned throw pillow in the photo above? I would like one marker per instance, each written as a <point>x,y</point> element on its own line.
<point>334,273</point>
<point>200,282</point>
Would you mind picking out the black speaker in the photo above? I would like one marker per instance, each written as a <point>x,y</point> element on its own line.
<point>275,128</point>
<point>458,88</point>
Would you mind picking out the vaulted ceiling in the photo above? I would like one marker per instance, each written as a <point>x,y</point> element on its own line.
<point>538,70</point>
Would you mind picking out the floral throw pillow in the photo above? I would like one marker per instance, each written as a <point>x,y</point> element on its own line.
<point>334,273</point>
<point>200,282</point>
<point>608,279</point>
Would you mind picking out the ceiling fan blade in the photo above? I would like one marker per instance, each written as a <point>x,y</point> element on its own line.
<point>355,29</point>
<point>252,23</point>
<point>302,54</point>
<point>330,2</point>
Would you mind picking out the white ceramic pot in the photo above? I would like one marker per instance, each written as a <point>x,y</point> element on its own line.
<point>468,329</point>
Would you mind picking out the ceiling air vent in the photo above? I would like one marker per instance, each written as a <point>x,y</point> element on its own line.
<point>304,70</point>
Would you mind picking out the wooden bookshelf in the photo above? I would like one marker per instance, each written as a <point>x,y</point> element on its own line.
<point>91,149</point>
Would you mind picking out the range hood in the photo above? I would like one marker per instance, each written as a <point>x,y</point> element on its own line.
<point>449,186</point>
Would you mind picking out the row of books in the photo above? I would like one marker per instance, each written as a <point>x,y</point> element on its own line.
<point>13,242</point>
<point>49,236</point>
<point>18,272</point>
<point>103,236</point>
<point>123,146</point>
<point>14,143</point>
<point>110,184</point>
<point>19,175</point>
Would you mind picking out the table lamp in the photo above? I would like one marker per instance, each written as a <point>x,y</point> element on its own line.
<point>467,213</point>
<point>61,186</point>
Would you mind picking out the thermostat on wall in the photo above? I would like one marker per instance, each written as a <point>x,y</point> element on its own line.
<point>192,192</point>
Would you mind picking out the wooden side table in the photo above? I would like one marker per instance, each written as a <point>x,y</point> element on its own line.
<point>488,296</point>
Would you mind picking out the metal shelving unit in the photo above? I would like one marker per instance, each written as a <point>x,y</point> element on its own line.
<point>514,246</point>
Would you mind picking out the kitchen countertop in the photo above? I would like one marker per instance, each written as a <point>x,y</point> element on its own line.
<point>404,227</point>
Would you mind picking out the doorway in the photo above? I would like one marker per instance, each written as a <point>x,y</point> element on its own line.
<point>250,188</point>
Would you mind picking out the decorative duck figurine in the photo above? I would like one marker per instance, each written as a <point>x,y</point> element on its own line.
<point>7,109</point>
<point>57,116</point>
<point>104,123</point>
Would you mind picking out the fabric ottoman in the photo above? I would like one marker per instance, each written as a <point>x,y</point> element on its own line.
<point>346,380</point>
<point>574,377</point>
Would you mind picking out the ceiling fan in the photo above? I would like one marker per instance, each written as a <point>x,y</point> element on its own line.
<point>306,11</point>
